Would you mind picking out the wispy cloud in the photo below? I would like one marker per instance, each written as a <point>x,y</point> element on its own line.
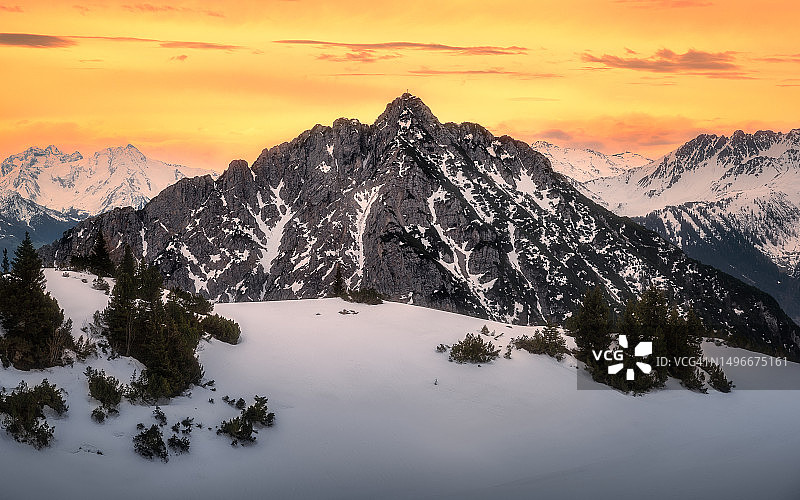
<point>158,9</point>
<point>694,62</point>
<point>781,58</point>
<point>49,41</point>
<point>180,58</point>
<point>364,56</point>
<point>481,50</point>
<point>11,8</point>
<point>35,41</point>
<point>481,72</point>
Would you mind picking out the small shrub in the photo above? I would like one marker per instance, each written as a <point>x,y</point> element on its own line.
<point>150,444</point>
<point>546,342</point>
<point>102,285</point>
<point>441,348</point>
<point>221,328</point>
<point>187,425</point>
<point>368,296</point>
<point>241,428</point>
<point>84,348</point>
<point>104,388</point>
<point>24,410</point>
<point>473,349</point>
<point>98,415</point>
<point>178,444</point>
<point>158,414</point>
<point>237,428</point>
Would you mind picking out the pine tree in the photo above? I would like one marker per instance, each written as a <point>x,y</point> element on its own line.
<point>26,268</point>
<point>592,330</point>
<point>100,260</point>
<point>5,261</point>
<point>36,332</point>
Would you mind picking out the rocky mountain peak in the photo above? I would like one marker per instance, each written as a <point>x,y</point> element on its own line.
<point>440,215</point>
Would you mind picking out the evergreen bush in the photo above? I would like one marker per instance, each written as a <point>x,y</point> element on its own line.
<point>473,349</point>
<point>24,411</point>
<point>221,329</point>
<point>104,388</point>
<point>150,444</point>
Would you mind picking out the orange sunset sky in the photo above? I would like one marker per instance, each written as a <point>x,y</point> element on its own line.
<point>201,83</point>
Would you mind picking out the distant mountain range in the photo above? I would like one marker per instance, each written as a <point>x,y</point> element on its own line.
<point>440,215</point>
<point>45,191</point>
<point>731,202</point>
<point>586,164</point>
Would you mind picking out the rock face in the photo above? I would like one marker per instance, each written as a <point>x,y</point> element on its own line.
<point>440,215</point>
<point>732,202</point>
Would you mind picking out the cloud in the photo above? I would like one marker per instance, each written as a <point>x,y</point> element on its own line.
<point>33,40</point>
<point>82,9</point>
<point>11,8</point>
<point>781,58</point>
<point>694,62</point>
<point>167,44</point>
<point>365,56</point>
<point>479,72</point>
<point>157,9</point>
<point>480,50</point>
<point>555,133</point>
<point>179,58</point>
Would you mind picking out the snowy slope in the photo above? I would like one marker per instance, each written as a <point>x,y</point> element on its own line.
<point>586,164</point>
<point>110,178</point>
<point>358,416</point>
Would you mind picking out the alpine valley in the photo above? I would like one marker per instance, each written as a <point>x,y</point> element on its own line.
<point>446,216</point>
<point>731,202</point>
<point>44,191</point>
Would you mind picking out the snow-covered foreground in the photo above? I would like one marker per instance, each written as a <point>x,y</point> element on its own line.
<point>359,416</point>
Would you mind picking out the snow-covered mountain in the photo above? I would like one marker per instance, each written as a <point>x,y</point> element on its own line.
<point>586,164</point>
<point>358,416</point>
<point>110,178</point>
<point>439,215</point>
<point>733,202</point>
<point>18,216</point>
<point>44,191</point>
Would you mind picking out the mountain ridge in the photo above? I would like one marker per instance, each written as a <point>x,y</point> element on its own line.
<point>441,215</point>
<point>733,202</point>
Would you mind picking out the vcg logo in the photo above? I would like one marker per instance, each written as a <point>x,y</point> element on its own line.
<point>642,349</point>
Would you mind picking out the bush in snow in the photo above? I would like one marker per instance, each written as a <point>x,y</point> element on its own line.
<point>24,407</point>
<point>242,428</point>
<point>101,284</point>
<point>473,349</point>
<point>150,444</point>
<point>104,388</point>
<point>221,328</point>
<point>364,296</point>
<point>546,342</point>
<point>178,444</point>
